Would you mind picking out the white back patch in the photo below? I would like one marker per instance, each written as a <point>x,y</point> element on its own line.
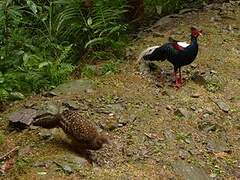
<point>183,44</point>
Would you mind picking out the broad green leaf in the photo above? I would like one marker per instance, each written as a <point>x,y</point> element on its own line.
<point>93,41</point>
<point>32,6</point>
<point>43,64</point>
<point>89,21</point>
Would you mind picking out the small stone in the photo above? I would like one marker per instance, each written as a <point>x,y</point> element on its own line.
<point>123,121</point>
<point>218,145</point>
<point>168,107</point>
<point>71,104</point>
<point>222,105</point>
<point>182,112</point>
<point>195,95</point>
<point>213,72</point>
<point>50,94</point>
<point>193,108</point>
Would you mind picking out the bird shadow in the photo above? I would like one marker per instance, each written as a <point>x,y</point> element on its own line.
<point>75,148</point>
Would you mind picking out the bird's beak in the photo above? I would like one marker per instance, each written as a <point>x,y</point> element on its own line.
<point>200,33</point>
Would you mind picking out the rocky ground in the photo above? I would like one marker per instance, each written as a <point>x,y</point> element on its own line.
<point>156,131</point>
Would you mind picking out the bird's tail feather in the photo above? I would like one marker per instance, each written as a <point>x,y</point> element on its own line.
<point>145,52</point>
<point>47,120</point>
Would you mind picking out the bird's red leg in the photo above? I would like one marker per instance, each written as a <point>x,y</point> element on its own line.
<point>180,76</point>
<point>177,83</point>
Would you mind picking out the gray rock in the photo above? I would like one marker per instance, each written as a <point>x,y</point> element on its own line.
<point>52,108</point>
<point>50,94</point>
<point>74,87</point>
<point>189,171</point>
<point>218,145</point>
<point>182,112</point>
<point>71,162</point>
<point>222,105</point>
<point>23,118</point>
<point>65,167</point>
<point>71,104</point>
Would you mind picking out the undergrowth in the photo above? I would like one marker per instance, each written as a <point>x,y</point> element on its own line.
<point>41,42</point>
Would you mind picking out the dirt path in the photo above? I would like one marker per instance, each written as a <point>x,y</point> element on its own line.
<point>156,132</point>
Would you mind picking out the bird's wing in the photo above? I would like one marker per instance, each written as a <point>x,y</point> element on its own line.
<point>178,45</point>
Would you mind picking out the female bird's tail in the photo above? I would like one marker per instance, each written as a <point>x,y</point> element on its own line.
<point>47,120</point>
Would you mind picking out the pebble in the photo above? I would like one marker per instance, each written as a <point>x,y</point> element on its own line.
<point>195,95</point>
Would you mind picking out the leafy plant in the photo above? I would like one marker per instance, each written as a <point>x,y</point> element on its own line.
<point>89,71</point>
<point>110,67</point>
<point>94,30</point>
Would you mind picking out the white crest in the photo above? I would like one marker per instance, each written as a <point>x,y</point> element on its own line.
<point>183,44</point>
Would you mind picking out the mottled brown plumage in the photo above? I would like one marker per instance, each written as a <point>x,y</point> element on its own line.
<point>77,128</point>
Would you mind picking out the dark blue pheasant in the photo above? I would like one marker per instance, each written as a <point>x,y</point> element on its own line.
<point>176,52</point>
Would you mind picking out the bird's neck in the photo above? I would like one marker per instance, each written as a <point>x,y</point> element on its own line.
<point>193,40</point>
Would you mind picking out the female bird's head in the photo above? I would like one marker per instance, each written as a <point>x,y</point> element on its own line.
<point>99,141</point>
<point>195,32</point>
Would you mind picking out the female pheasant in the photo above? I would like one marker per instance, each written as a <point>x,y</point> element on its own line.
<point>74,125</point>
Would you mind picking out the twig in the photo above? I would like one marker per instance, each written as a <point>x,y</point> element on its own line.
<point>9,153</point>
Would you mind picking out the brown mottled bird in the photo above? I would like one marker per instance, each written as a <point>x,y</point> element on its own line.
<point>76,127</point>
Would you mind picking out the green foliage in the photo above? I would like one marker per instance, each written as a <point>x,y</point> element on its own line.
<point>89,71</point>
<point>163,7</point>
<point>110,67</point>
<point>40,41</point>
<point>89,30</point>
<point>23,164</point>
<point>1,138</point>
